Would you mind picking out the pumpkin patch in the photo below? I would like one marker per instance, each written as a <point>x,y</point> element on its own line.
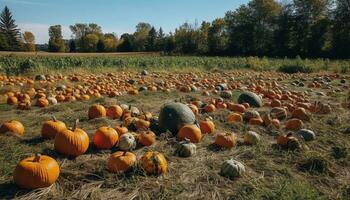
<point>164,127</point>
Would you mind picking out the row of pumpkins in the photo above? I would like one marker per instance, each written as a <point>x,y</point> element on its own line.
<point>86,86</point>
<point>41,171</point>
<point>174,117</point>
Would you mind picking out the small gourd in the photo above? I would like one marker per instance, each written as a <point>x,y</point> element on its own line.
<point>185,148</point>
<point>251,138</point>
<point>127,142</point>
<point>232,168</point>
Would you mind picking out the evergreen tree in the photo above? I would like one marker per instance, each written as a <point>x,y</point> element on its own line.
<point>3,42</point>
<point>151,40</point>
<point>9,30</point>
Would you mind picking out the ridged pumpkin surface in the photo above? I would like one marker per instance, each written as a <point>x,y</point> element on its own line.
<point>154,163</point>
<point>72,143</point>
<point>33,174</point>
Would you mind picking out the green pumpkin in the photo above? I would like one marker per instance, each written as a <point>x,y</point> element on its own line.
<point>253,99</point>
<point>185,149</point>
<point>308,135</point>
<point>174,115</point>
<point>232,168</point>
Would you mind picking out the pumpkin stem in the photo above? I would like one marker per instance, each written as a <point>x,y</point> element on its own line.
<point>124,153</point>
<point>75,124</point>
<point>53,118</point>
<point>37,157</point>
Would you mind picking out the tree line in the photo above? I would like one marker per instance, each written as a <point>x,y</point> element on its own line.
<point>306,28</point>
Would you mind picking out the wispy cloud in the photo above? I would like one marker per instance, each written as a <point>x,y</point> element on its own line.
<point>25,2</point>
<point>41,31</point>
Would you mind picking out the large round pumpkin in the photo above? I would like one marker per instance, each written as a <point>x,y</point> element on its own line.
<point>105,137</point>
<point>174,115</point>
<point>73,142</point>
<point>36,172</point>
<point>13,127</point>
<point>51,128</point>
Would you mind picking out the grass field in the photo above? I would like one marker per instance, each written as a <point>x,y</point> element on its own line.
<point>319,170</point>
<point>30,63</point>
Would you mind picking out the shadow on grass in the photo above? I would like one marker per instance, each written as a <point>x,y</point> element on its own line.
<point>54,154</point>
<point>215,148</point>
<point>11,191</point>
<point>33,141</point>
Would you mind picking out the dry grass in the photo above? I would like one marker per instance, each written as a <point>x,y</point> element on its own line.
<point>272,173</point>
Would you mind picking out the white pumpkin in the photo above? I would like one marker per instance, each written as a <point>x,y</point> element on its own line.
<point>251,138</point>
<point>185,149</point>
<point>232,168</point>
<point>124,106</point>
<point>127,142</point>
<point>52,100</point>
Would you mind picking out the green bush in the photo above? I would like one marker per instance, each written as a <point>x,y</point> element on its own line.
<point>28,65</point>
<point>292,69</point>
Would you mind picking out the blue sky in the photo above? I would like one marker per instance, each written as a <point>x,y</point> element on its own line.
<point>116,16</point>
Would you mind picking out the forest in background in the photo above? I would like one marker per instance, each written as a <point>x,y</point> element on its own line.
<point>305,28</point>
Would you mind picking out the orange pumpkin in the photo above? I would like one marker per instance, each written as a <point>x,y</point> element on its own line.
<point>209,108</point>
<point>121,130</point>
<point>51,128</point>
<point>300,113</point>
<point>120,162</point>
<point>105,138</point>
<point>13,127</point>
<point>226,140</point>
<point>72,142</point>
<point>276,103</point>
<point>207,126</point>
<point>36,172</point>
<point>42,102</point>
<point>147,138</point>
<point>294,124</point>
<point>191,132</point>
<point>235,117</point>
<point>142,124</point>
<point>96,111</point>
<point>237,108</point>
<point>256,121</point>
<point>114,112</point>
<point>12,100</point>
